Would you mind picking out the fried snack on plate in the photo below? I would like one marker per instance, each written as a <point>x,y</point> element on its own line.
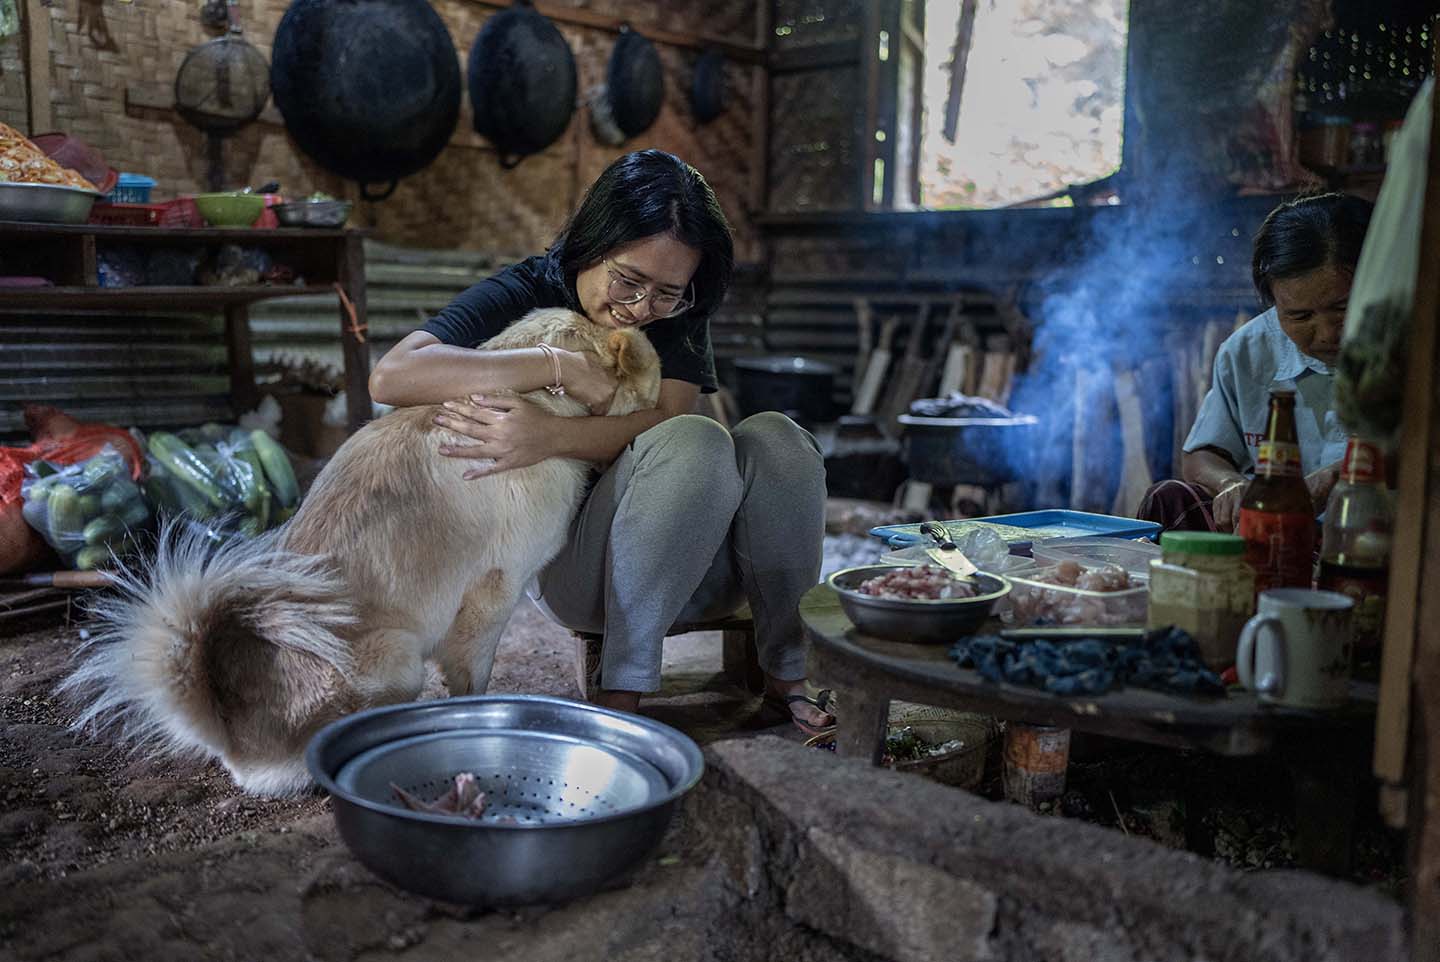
<point>23,163</point>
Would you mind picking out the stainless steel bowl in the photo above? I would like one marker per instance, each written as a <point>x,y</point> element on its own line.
<point>576,795</point>
<point>313,213</point>
<point>924,622</point>
<point>45,203</point>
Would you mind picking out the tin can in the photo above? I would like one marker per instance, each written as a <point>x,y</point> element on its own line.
<point>1036,757</point>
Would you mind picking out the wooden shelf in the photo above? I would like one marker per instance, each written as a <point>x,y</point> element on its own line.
<point>145,298</point>
<point>69,255</point>
<point>253,235</point>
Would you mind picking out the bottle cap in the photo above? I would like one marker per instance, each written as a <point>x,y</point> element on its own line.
<point>1202,542</point>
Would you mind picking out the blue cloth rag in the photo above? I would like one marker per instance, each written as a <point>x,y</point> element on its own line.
<point>1167,659</point>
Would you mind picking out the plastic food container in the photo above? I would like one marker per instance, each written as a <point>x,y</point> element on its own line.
<point>1133,556</point>
<point>131,189</point>
<point>909,557</point>
<point>1204,587</point>
<point>1038,602</point>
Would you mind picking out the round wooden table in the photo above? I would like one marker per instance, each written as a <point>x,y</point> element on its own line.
<point>1325,749</point>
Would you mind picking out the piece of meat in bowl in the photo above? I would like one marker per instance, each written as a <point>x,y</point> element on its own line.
<point>920,583</point>
<point>463,797</point>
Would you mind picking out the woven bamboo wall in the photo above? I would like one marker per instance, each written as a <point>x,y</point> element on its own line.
<point>464,200</point>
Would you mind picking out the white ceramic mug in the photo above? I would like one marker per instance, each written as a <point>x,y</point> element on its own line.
<point>1296,650</point>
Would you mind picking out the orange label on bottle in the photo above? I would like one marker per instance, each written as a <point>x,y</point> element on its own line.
<point>1279,547</point>
<point>1278,459</point>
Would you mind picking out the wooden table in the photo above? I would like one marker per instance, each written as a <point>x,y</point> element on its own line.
<point>65,254</point>
<point>868,673</point>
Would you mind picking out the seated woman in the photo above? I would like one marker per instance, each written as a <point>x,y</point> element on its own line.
<point>1304,261</point>
<point>685,521</point>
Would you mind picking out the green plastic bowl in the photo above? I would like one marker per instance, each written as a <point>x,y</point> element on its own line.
<point>230,209</point>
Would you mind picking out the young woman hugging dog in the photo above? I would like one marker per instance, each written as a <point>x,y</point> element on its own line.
<point>688,521</point>
<point>419,537</point>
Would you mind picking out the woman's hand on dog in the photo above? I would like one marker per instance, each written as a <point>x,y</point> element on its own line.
<point>586,381</point>
<point>509,432</point>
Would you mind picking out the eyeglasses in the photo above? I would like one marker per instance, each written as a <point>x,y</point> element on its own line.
<point>625,291</point>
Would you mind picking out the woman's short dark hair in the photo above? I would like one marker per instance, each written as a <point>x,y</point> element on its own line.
<point>642,194</point>
<point>1307,234</point>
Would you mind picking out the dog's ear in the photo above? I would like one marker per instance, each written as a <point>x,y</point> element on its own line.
<point>627,360</point>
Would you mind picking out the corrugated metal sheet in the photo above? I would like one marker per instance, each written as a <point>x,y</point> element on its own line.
<point>403,286</point>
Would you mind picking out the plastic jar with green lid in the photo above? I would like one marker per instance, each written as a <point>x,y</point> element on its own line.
<point>1203,585</point>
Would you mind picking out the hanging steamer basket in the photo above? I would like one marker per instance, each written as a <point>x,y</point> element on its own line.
<point>522,83</point>
<point>222,86</point>
<point>369,89</point>
<point>707,86</point>
<point>629,101</point>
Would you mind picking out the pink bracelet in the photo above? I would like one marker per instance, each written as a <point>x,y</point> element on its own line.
<point>557,389</point>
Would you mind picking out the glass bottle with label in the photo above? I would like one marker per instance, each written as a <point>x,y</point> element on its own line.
<point>1355,549</point>
<point>1277,516</point>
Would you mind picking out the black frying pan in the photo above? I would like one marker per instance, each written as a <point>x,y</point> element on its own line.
<point>369,89</point>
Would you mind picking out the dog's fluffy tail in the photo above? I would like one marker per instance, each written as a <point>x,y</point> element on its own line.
<point>223,651</point>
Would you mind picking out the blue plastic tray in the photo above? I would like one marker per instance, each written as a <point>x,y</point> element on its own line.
<point>1055,523</point>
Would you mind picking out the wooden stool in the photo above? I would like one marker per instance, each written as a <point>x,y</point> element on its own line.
<point>739,658</point>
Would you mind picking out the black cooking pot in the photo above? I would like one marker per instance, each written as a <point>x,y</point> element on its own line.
<point>707,86</point>
<point>634,83</point>
<point>798,386</point>
<point>966,450</point>
<point>369,89</point>
<point>522,82</point>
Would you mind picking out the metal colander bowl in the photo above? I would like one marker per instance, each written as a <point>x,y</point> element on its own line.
<point>576,795</point>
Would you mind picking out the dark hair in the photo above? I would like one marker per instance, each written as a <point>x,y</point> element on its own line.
<point>1307,234</point>
<point>642,194</point>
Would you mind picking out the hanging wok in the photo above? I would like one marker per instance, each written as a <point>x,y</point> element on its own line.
<point>707,86</point>
<point>634,84</point>
<point>369,89</point>
<point>522,82</point>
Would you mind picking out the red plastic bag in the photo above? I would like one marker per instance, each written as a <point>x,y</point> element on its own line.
<point>61,440</point>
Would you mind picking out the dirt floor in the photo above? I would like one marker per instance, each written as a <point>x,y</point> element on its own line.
<point>69,803</point>
<point>76,808</point>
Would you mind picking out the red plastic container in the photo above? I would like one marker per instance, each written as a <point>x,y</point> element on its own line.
<point>127,215</point>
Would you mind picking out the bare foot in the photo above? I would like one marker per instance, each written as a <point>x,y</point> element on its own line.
<point>619,700</point>
<point>803,711</point>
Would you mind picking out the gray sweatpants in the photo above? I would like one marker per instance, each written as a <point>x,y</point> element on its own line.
<point>690,522</point>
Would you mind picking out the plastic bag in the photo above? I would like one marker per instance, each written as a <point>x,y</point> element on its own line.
<point>58,439</point>
<point>1370,374</point>
<point>87,511</point>
<point>227,477</point>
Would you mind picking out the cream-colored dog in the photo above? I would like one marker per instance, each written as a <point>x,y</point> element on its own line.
<point>243,652</point>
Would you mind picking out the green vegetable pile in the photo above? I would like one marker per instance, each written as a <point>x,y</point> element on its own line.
<point>86,511</point>
<point>236,480</point>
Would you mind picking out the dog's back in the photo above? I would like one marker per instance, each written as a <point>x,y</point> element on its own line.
<point>241,651</point>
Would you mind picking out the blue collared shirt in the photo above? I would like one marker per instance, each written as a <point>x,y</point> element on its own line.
<point>1253,361</point>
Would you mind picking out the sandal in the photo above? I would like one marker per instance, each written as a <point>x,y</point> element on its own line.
<point>824,701</point>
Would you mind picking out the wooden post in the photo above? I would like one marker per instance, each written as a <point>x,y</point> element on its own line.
<point>862,724</point>
<point>243,393</point>
<point>37,66</point>
<point>760,128</point>
<point>1414,603</point>
<point>353,337</point>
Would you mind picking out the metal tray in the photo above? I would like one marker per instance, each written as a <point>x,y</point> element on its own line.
<point>1026,527</point>
<point>45,203</point>
<point>313,213</point>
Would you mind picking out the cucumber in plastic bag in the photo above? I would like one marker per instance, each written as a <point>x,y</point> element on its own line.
<point>92,504</point>
<point>214,474</point>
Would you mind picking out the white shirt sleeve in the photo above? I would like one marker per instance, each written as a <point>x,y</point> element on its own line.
<point>1218,423</point>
